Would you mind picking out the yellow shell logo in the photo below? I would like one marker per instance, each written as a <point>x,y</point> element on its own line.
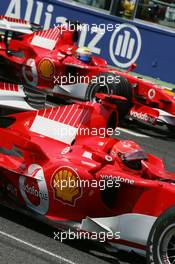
<point>66,185</point>
<point>46,69</point>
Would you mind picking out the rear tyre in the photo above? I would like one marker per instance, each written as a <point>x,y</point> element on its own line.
<point>171,129</point>
<point>161,241</point>
<point>35,99</point>
<point>110,83</point>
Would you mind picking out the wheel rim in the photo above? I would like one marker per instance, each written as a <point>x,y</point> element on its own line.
<point>98,89</point>
<point>166,246</point>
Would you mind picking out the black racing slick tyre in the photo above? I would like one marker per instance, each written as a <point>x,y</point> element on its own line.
<point>161,241</point>
<point>110,83</point>
<point>171,129</point>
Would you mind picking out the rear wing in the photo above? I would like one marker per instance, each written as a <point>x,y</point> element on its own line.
<point>17,25</point>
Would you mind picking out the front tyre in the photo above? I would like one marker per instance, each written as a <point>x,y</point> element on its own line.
<point>100,85</point>
<point>110,83</point>
<point>161,241</point>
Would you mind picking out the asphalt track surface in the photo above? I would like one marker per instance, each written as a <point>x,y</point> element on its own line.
<point>24,240</point>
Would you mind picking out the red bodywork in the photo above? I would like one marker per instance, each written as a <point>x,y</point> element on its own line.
<point>35,157</point>
<point>41,58</point>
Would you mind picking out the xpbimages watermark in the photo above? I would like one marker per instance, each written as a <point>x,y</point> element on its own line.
<point>100,236</point>
<point>88,27</point>
<point>69,132</point>
<point>102,184</point>
<point>72,79</point>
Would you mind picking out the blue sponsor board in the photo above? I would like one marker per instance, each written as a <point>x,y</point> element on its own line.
<point>121,42</point>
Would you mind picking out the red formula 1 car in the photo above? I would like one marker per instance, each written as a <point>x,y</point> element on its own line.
<point>60,168</point>
<point>49,62</point>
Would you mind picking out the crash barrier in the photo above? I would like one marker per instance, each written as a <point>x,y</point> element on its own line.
<point>120,41</point>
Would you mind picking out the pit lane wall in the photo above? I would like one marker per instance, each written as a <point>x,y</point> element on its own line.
<point>151,47</point>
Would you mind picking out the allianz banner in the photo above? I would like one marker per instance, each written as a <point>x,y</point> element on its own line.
<point>121,42</point>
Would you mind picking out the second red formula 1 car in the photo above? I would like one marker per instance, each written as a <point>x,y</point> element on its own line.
<point>50,61</point>
<point>57,166</point>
